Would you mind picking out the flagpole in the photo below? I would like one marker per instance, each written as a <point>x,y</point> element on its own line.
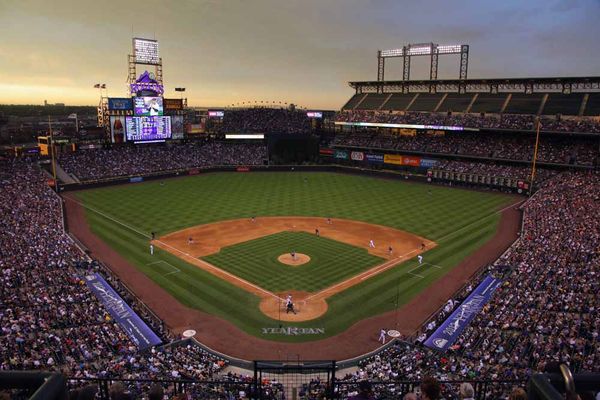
<point>535,152</point>
<point>52,154</point>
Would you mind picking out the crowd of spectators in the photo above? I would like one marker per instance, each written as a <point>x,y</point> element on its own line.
<point>523,122</point>
<point>517,172</point>
<point>137,160</point>
<point>265,120</point>
<point>510,146</point>
<point>546,311</point>
<point>49,319</point>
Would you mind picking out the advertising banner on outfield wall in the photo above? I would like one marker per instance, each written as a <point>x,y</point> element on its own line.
<point>326,152</point>
<point>427,163</point>
<point>128,320</point>
<point>452,327</point>
<point>392,159</point>
<point>374,158</point>
<point>341,154</point>
<point>412,161</point>
<point>357,155</point>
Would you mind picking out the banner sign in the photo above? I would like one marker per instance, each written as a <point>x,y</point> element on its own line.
<point>173,104</point>
<point>452,327</point>
<point>117,103</point>
<point>136,179</point>
<point>194,171</point>
<point>357,155</point>
<point>411,161</point>
<point>408,132</point>
<point>341,154</point>
<point>326,152</point>
<point>392,159</point>
<point>427,163</point>
<point>374,158</point>
<point>242,169</point>
<point>132,324</point>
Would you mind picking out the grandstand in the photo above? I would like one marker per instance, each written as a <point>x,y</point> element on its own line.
<point>67,312</point>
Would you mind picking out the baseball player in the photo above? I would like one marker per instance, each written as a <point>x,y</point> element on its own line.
<point>253,218</point>
<point>151,249</point>
<point>420,257</point>
<point>390,250</point>
<point>190,241</point>
<point>289,305</point>
<point>153,235</point>
<point>371,244</point>
<point>422,246</point>
<point>317,232</point>
<point>329,221</point>
<point>382,334</point>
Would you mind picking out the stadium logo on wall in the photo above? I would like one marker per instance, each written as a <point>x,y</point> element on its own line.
<point>293,331</point>
<point>357,155</point>
<point>440,343</point>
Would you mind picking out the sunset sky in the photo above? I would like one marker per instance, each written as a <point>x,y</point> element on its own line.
<point>302,52</point>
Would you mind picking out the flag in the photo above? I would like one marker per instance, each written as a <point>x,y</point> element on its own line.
<point>72,116</point>
<point>97,86</point>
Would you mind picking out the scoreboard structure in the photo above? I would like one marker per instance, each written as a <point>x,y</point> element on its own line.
<point>146,116</point>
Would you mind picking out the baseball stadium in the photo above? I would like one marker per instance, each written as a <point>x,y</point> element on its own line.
<point>429,238</point>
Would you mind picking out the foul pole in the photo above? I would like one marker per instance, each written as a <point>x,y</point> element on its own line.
<point>535,152</point>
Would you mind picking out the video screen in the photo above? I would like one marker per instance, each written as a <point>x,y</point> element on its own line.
<point>216,113</point>
<point>148,106</point>
<point>146,129</point>
<point>314,114</point>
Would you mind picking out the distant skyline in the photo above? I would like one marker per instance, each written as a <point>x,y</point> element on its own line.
<point>293,51</point>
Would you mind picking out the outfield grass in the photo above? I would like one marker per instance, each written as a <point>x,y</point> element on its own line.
<point>256,261</point>
<point>460,221</point>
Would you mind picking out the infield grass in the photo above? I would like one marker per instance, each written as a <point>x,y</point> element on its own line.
<point>460,221</point>
<point>330,261</point>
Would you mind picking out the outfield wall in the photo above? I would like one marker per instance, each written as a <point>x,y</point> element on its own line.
<point>415,175</point>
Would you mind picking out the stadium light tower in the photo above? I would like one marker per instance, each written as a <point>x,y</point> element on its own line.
<point>433,50</point>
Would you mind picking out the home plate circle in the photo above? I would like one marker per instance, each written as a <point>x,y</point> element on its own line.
<point>189,333</point>
<point>295,260</point>
<point>393,333</point>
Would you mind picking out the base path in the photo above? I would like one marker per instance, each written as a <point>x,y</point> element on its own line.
<point>223,336</point>
<point>192,243</point>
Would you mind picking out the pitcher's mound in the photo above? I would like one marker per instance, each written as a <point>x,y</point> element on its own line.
<point>298,260</point>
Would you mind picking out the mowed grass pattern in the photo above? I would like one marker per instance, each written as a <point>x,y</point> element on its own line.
<point>256,261</point>
<point>460,221</point>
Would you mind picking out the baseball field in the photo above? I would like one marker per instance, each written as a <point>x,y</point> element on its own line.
<point>211,255</point>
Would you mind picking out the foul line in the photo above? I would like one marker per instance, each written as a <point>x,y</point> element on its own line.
<point>176,249</point>
<point>108,217</point>
<point>245,282</point>
<point>479,220</point>
<point>176,270</point>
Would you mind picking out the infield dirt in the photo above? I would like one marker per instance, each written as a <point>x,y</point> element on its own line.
<point>192,243</point>
<point>222,335</point>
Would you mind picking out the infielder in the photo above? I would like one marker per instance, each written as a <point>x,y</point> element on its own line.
<point>371,244</point>
<point>190,241</point>
<point>420,257</point>
<point>382,334</point>
<point>390,250</point>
